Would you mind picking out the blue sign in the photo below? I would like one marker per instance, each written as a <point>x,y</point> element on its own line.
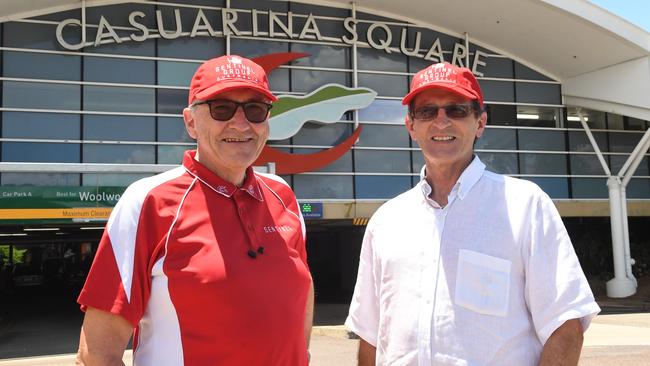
<point>311,210</point>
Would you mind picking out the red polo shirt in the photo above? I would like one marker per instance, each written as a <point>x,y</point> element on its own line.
<point>174,261</point>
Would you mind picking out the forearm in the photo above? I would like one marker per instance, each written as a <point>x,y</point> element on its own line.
<point>367,354</point>
<point>309,314</point>
<point>564,346</point>
<point>103,339</point>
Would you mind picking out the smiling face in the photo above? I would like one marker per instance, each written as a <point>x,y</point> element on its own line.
<point>446,143</point>
<point>227,147</point>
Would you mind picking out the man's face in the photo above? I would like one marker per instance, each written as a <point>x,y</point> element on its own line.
<point>446,141</point>
<point>227,146</point>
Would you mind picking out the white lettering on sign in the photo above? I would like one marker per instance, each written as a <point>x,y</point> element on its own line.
<point>101,196</point>
<point>169,25</point>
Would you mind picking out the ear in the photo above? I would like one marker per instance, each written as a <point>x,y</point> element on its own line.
<point>409,127</point>
<point>482,121</point>
<point>190,122</point>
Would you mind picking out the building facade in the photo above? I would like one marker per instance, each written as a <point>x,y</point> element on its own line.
<point>92,94</point>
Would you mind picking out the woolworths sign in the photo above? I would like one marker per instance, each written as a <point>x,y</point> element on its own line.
<point>57,204</point>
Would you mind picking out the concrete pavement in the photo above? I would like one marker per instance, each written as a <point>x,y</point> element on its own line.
<point>612,339</point>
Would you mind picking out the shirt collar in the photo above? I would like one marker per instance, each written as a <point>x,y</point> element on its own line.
<point>218,184</point>
<point>465,182</point>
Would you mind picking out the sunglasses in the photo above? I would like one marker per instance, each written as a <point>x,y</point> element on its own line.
<point>429,112</point>
<point>224,109</point>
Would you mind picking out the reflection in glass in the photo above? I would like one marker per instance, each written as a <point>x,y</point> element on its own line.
<point>171,101</point>
<point>498,91</point>
<point>30,65</point>
<point>116,99</point>
<point>39,179</point>
<point>594,119</point>
<point>322,186</point>
<point>383,136</point>
<point>198,48</point>
<point>343,164</point>
<point>541,140</point>
<point>306,81</point>
<point>586,165</point>
<point>384,110</point>
<point>554,187</point>
<point>385,85</point>
<point>172,154</point>
<point>537,116</point>
<point>111,179</point>
<point>538,93</point>
<point>172,130</point>
<point>118,70</point>
<point>371,59</point>
<point>119,128</point>
<point>119,154</point>
<point>589,188</point>
<point>40,125</point>
<point>322,55</point>
<point>320,134</point>
<point>377,161</point>
<point>623,141</point>
<point>497,139</point>
<point>176,73</point>
<point>578,141</point>
<point>38,152</point>
<point>40,95</point>
<point>542,164</point>
<point>380,187</point>
<point>502,163</point>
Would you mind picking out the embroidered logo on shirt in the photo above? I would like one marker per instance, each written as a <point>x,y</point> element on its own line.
<point>222,189</point>
<point>277,228</point>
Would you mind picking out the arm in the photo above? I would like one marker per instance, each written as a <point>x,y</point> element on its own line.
<point>309,313</point>
<point>367,353</point>
<point>564,345</point>
<point>103,339</point>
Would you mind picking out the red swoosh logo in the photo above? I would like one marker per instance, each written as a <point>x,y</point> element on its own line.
<point>286,163</point>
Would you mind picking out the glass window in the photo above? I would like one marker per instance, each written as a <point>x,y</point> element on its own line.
<point>498,67</point>
<point>320,10</point>
<point>497,139</point>
<point>31,65</point>
<point>119,128</point>
<point>172,130</point>
<point>586,165</point>
<point>635,124</point>
<point>309,80</point>
<point>384,110</point>
<point>111,179</point>
<point>502,163</point>
<point>617,162</point>
<point>417,162</point>
<point>176,73</point>
<point>198,48</point>
<point>538,93</point>
<point>39,36</point>
<point>313,133</point>
<point>554,187</point>
<point>250,48</point>
<point>623,141</point>
<point>615,121</point>
<point>384,136</point>
<point>39,179</point>
<point>119,154</point>
<point>322,186</point>
<point>541,140</point>
<point>118,99</point>
<point>578,141</point>
<point>380,187</point>
<point>326,27</point>
<point>127,47</point>
<point>117,15</point>
<point>172,101</point>
<point>385,85</point>
<point>502,115</point>
<point>40,95</point>
<point>638,188</point>
<point>589,188</point>
<point>537,116</point>
<point>116,70</point>
<point>526,73</point>
<point>38,152</point>
<point>371,59</point>
<point>322,55</point>
<point>40,125</point>
<point>542,164</point>
<point>343,164</point>
<point>377,161</point>
<point>498,91</point>
<point>172,154</point>
<point>594,119</point>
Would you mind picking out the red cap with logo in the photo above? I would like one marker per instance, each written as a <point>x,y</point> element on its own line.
<point>458,80</point>
<point>226,73</point>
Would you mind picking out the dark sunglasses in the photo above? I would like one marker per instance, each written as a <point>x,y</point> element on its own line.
<point>224,109</point>
<point>429,112</point>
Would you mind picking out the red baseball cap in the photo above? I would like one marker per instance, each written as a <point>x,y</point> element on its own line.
<point>226,73</point>
<point>458,80</point>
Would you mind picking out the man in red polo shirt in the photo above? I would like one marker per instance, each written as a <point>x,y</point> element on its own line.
<point>206,262</point>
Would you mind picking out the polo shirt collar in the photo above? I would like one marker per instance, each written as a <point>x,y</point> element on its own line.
<point>465,182</point>
<point>218,184</point>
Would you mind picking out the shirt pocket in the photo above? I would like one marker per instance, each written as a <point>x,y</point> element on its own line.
<point>482,283</point>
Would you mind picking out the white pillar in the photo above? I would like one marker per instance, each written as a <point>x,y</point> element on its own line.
<point>620,285</point>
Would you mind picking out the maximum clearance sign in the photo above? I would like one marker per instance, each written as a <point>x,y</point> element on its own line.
<point>268,24</point>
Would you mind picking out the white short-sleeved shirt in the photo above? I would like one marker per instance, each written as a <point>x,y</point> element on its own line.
<point>483,281</point>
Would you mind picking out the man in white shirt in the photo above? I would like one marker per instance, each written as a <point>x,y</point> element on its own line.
<point>469,267</point>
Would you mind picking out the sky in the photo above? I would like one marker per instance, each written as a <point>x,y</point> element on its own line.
<point>634,11</point>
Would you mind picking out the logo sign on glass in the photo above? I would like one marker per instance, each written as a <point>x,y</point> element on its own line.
<point>312,210</point>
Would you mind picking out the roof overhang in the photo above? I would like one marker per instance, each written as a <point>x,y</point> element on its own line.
<point>600,59</point>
